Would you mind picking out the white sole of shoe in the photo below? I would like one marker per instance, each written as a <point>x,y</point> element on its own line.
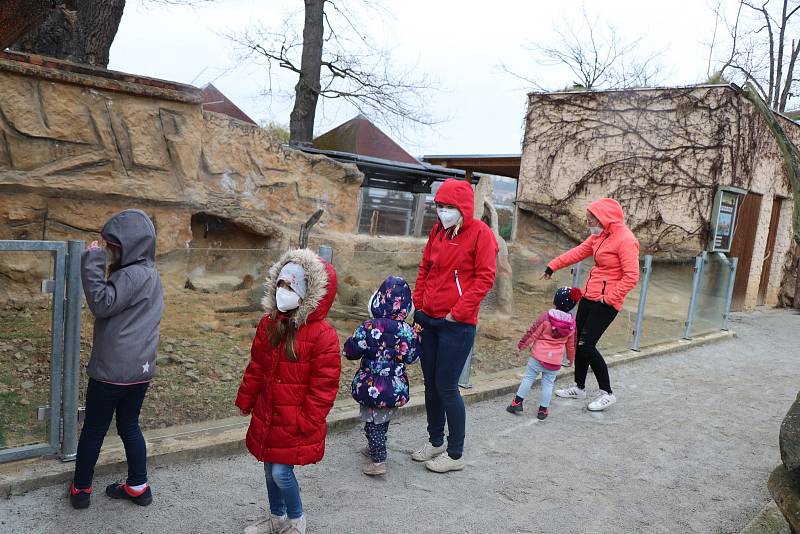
<point>457,467</point>
<point>575,397</point>
<point>599,408</point>
<point>420,458</point>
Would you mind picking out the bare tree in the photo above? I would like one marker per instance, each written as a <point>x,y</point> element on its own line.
<point>597,55</point>
<point>762,48</point>
<point>79,30</point>
<point>335,59</point>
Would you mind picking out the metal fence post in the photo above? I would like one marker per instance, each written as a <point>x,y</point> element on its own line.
<point>645,283</point>
<point>699,261</point>
<point>576,274</point>
<point>72,351</point>
<point>576,280</point>
<point>729,294</point>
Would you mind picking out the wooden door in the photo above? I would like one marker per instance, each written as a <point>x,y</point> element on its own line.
<point>774,220</point>
<point>744,237</point>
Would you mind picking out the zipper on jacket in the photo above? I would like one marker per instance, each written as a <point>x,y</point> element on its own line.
<point>604,287</point>
<point>594,257</point>
<point>458,284</point>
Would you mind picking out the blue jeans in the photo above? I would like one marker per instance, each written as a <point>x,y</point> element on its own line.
<point>103,400</point>
<point>283,491</point>
<point>445,348</point>
<point>548,379</point>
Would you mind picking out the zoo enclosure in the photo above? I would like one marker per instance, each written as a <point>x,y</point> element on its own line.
<point>211,311</point>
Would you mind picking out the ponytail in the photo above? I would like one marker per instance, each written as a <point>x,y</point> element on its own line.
<point>283,330</point>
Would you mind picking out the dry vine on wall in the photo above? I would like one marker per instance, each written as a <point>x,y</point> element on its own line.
<point>659,153</point>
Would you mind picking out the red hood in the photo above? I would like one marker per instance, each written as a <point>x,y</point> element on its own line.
<point>608,212</point>
<point>459,194</point>
<point>324,306</point>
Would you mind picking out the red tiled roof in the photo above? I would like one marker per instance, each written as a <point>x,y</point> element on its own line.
<point>360,136</point>
<point>214,100</point>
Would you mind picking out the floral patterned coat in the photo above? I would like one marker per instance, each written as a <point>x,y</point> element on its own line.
<point>385,345</point>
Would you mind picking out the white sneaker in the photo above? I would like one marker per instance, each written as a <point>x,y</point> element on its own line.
<point>428,452</point>
<point>269,525</point>
<point>443,463</point>
<point>296,526</point>
<point>572,392</point>
<point>603,401</point>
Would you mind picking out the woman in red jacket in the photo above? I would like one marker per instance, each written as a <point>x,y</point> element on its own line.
<point>291,382</point>
<point>456,273</point>
<point>615,273</point>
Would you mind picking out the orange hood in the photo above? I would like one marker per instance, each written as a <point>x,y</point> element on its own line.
<point>459,194</point>
<point>608,211</point>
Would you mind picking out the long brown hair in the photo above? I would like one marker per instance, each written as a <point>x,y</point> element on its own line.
<point>283,330</point>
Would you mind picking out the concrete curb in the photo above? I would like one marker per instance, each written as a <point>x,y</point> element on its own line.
<point>225,437</point>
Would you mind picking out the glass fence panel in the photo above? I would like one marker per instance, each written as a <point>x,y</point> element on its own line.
<point>25,343</point>
<point>712,294</point>
<point>667,301</point>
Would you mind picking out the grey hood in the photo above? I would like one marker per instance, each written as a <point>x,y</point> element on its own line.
<point>135,234</point>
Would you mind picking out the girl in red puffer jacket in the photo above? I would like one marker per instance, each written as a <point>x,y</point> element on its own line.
<point>291,382</point>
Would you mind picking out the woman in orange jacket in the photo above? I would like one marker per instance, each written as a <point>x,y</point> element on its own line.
<point>614,275</point>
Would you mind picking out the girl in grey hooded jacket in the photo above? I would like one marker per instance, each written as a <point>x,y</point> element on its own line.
<point>123,291</point>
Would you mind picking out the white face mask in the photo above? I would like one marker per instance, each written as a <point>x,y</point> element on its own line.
<point>286,300</point>
<point>448,216</point>
<point>595,230</point>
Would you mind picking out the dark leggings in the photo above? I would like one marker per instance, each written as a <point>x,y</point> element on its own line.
<point>103,401</point>
<point>592,320</point>
<point>376,438</point>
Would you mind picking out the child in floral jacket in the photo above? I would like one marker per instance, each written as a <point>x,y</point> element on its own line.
<point>385,345</point>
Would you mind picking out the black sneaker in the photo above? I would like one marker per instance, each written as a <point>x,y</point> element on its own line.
<point>120,491</point>
<point>79,498</point>
<point>541,415</point>
<point>514,407</point>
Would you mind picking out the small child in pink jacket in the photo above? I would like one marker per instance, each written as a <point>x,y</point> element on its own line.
<point>551,333</point>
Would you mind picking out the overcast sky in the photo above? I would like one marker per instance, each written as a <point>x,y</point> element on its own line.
<point>460,44</point>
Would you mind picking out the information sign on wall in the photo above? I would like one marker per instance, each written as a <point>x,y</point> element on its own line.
<point>724,219</point>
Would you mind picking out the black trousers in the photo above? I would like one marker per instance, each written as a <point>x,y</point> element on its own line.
<point>592,320</point>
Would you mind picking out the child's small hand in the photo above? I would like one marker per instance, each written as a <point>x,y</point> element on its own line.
<point>244,413</point>
<point>94,245</point>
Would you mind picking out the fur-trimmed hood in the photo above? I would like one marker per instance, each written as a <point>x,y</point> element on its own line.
<point>320,279</point>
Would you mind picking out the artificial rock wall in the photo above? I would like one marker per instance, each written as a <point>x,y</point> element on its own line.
<point>78,144</point>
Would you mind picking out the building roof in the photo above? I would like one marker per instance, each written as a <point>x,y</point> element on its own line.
<point>360,136</point>
<point>414,177</point>
<point>497,164</point>
<point>214,100</point>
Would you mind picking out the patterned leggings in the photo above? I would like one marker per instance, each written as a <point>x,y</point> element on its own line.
<point>376,438</point>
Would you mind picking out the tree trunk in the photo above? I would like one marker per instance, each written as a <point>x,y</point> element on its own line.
<point>301,121</point>
<point>18,17</point>
<point>77,30</point>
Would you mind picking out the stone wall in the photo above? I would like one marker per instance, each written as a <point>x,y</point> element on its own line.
<point>76,147</point>
<point>662,153</point>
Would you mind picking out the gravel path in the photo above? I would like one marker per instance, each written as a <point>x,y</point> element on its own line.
<point>688,448</point>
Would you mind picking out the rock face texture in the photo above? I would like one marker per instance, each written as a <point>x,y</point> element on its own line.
<point>662,153</point>
<point>784,483</point>
<point>77,146</point>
